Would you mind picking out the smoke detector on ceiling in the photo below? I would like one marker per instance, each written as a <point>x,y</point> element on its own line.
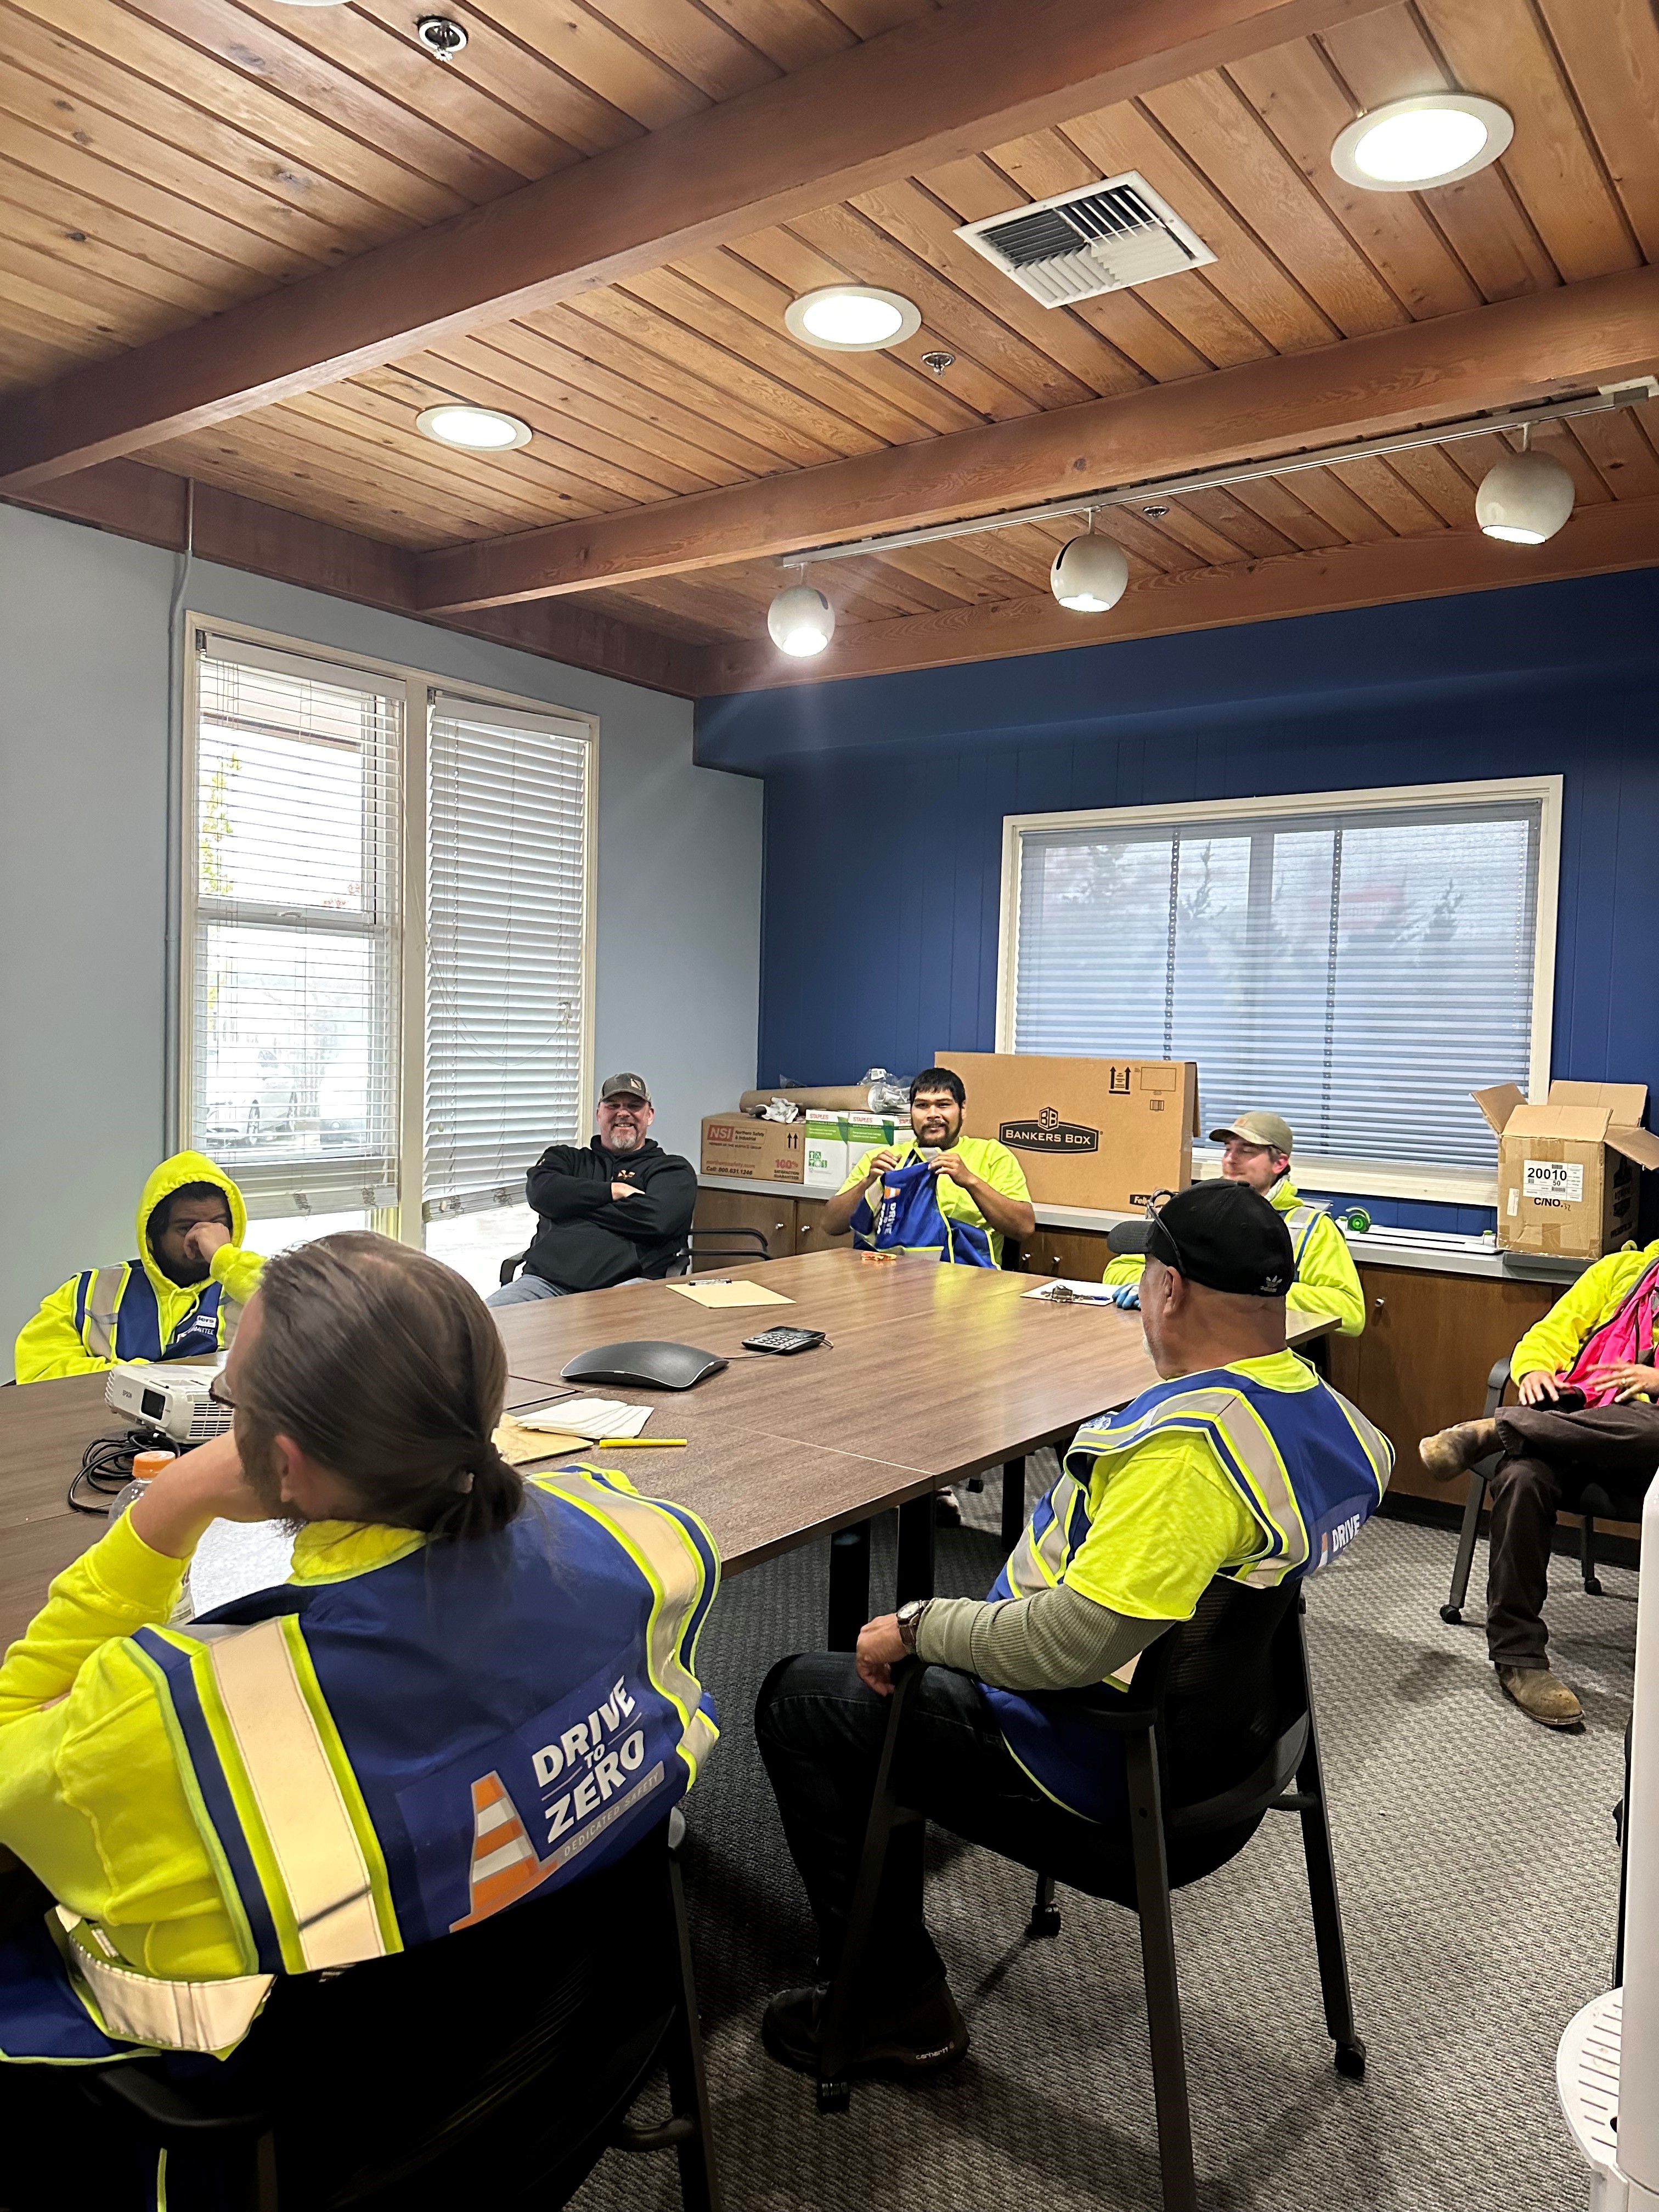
<point>1100,238</point>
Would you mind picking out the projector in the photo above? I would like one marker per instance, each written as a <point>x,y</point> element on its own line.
<point>172,1400</point>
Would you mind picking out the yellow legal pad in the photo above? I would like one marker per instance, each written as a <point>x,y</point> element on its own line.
<point>729,1294</point>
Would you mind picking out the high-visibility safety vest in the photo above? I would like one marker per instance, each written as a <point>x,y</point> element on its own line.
<point>1302,1220</point>
<point>909,1219</point>
<point>1312,1470</point>
<point>376,1762</point>
<point>117,1317</point>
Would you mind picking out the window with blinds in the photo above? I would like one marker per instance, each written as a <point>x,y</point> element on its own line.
<point>1359,968</point>
<point>507,852</point>
<point>290,1008</point>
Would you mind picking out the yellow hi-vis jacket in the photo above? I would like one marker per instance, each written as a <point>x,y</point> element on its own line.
<point>80,1328</point>
<point>1551,1345</point>
<point>1326,1280</point>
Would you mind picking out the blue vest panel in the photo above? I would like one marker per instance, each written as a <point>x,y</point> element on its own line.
<point>910,1219</point>
<point>1309,1467</point>
<point>139,1320</point>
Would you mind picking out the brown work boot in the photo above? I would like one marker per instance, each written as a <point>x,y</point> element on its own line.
<point>1541,1696</point>
<point>1453,1451</point>
<point>923,2036</point>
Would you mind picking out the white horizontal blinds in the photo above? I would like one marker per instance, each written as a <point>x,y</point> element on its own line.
<point>507,921</point>
<point>294,993</point>
<point>1358,972</point>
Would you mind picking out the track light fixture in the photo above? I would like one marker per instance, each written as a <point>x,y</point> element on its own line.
<point>1090,574</point>
<point>801,620</point>
<point>1526,497</point>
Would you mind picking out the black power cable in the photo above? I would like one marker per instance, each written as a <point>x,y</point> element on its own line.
<point>106,1466</point>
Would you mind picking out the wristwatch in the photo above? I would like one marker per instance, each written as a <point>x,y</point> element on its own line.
<point>909,1620</point>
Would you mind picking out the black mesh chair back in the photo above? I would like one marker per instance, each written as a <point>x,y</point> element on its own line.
<point>1217,1731</point>
<point>509,2054</point>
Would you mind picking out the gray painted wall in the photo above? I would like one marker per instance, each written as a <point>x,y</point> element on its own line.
<point>83,730</point>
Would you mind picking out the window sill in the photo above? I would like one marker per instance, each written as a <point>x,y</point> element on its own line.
<point>1376,1179</point>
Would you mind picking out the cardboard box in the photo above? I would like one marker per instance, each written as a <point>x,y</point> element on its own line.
<point>754,1152</point>
<point>1567,1180</point>
<point>1094,1133</point>
<point>833,1141</point>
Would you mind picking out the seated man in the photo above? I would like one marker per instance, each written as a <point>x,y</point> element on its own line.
<point>1586,1386</point>
<point>613,1210</point>
<point>1255,1149</point>
<point>1240,1462</point>
<point>465,1667</point>
<point>979,1186</point>
<point>181,1299</point>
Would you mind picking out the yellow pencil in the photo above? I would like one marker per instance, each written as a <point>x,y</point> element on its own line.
<point>638,1443</point>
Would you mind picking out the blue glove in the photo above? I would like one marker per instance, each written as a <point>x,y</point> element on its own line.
<point>1126,1295</point>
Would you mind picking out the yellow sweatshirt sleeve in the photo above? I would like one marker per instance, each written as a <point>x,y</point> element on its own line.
<point>1327,1281</point>
<point>238,1271</point>
<point>1125,1267</point>
<point>50,1345</point>
<point>90,1794</point>
<point>1551,1345</point>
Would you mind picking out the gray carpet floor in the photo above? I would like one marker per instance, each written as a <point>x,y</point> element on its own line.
<point>1479,1871</point>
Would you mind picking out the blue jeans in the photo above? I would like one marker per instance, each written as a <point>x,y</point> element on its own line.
<point>524,1290</point>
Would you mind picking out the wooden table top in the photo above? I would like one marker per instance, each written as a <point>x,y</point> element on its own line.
<point>932,1373</point>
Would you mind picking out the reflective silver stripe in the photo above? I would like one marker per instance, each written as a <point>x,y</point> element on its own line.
<point>1300,1222</point>
<point>1372,1442</point>
<point>672,1561</point>
<point>298,1798</point>
<point>230,1315</point>
<point>144,2008</point>
<point>98,1331</point>
<point>1266,1486</point>
<point>1037,1563</point>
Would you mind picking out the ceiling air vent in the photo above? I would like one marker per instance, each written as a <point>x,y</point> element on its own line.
<point>1097,239</point>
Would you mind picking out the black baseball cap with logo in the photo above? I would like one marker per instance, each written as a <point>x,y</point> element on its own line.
<point>1220,1234</point>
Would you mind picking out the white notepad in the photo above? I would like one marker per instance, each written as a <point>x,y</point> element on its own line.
<point>586,1417</point>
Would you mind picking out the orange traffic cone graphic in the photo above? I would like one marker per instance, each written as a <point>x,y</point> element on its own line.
<point>505,1867</point>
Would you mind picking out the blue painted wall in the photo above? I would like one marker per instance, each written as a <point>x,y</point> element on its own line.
<point>886,797</point>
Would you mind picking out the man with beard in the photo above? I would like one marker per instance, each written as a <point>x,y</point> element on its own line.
<point>614,1211</point>
<point>181,1299</point>
<point>977,1182</point>
<point>462,1665</point>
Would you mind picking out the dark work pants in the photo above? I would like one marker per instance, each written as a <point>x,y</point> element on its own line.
<point>821,1732</point>
<point>1549,1457</point>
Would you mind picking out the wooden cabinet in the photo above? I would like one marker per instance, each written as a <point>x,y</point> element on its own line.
<point>773,1216</point>
<point>1080,1255</point>
<point>1430,1343</point>
<point>810,1233</point>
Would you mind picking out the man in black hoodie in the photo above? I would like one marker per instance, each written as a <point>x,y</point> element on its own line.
<point>611,1211</point>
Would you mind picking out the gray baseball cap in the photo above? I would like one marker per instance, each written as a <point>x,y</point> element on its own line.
<point>1257,1129</point>
<point>624,1086</point>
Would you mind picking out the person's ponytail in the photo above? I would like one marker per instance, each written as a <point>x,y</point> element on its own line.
<point>482,1498</point>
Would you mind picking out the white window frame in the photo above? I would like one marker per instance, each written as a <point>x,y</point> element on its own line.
<point>403,1220</point>
<point>1363,1178</point>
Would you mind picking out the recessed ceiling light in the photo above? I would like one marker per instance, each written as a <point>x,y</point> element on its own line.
<point>1432,138</point>
<point>852,317</point>
<point>477,429</point>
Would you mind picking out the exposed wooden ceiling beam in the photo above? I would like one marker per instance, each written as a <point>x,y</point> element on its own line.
<point>133,500</point>
<point>1622,534</point>
<point>1495,356</point>
<point>977,74</point>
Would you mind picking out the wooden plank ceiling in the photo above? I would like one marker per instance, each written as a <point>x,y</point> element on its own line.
<point>162,160</point>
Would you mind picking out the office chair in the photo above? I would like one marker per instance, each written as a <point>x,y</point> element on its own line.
<point>679,1265</point>
<point>710,1247</point>
<point>1594,1500</point>
<point>1252,1643</point>
<point>504,2058</point>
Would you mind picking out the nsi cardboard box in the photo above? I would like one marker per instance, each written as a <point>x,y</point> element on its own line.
<point>1096,1133</point>
<point>754,1152</point>
<point>1567,1180</point>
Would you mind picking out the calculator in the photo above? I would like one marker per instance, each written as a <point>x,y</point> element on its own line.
<point>785,1339</point>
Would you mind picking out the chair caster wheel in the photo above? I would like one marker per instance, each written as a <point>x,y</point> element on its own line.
<point>1044,1921</point>
<point>1452,1615</point>
<point>1351,2060</point>
<point>1592,1586</point>
<point>834,2096</point>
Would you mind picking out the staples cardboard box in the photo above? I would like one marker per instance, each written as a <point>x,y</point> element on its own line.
<point>754,1152</point>
<point>833,1141</point>
<point>1567,1181</point>
<point>1096,1133</point>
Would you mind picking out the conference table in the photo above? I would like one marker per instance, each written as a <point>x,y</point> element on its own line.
<point>932,1375</point>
